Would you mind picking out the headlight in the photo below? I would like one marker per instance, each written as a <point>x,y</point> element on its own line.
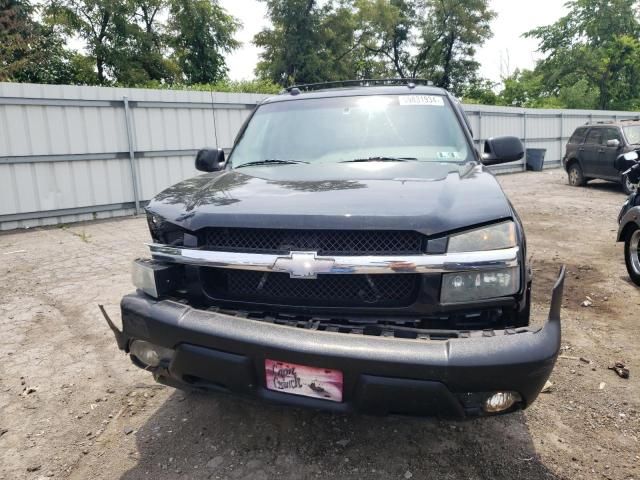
<point>470,286</point>
<point>164,232</point>
<point>494,237</point>
<point>155,223</point>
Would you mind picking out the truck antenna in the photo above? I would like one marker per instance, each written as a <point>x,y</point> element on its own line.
<point>213,112</point>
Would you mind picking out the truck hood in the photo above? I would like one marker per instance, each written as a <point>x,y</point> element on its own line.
<point>430,198</point>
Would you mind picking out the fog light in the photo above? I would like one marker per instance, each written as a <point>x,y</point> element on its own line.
<point>501,401</point>
<point>150,354</point>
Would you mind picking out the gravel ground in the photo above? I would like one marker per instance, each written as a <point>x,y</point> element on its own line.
<point>72,406</point>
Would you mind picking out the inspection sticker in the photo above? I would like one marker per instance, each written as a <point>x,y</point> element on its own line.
<point>426,100</point>
<point>449,155</point>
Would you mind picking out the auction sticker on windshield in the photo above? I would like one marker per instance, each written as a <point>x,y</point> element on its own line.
<point>427,100</point>
<point>304,380</point>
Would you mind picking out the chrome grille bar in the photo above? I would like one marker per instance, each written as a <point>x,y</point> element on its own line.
<point>309,265</point>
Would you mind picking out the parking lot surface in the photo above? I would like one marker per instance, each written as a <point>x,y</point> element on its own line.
<point>73,406</point>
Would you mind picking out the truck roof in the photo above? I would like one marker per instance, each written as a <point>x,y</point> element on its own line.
<point>298,93</point>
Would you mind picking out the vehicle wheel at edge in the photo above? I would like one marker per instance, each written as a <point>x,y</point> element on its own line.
<point>632,255</point>
<point>576,178</point>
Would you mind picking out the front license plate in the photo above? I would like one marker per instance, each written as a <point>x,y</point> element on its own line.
<point>303,380</point>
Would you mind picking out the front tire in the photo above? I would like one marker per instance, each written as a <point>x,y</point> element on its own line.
<point>627,186</point>
<point>632,255</point>
<point>576,177</point>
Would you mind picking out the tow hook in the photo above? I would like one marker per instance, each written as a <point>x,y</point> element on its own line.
<point>120,338</point>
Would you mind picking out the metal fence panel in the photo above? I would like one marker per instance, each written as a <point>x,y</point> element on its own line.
<point>65,152</point>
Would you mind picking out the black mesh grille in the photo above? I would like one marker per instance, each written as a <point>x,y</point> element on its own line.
<point>325,242</point>
<point>326,290</point>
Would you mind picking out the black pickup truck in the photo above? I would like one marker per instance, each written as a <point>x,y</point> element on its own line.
<point>351,253</point>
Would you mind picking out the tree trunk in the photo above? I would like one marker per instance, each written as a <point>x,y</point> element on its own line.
<point>100,67</point>
<point>396,60</point>
<point>446,75</point>
<point>100,57</point>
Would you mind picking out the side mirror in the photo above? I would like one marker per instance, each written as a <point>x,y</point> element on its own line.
<point>502,150</point>
<point>626,161</point>
<point>210,160</point>
<point>614,143</point>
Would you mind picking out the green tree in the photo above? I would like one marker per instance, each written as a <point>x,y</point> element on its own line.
<point>30,51</point>
<point>313,41</point>
<point>124,38</point>
<point>480,91</point>
<point>449,35</point>
<point>387,34</point>
<point>435,39</point>
<point>142,45</point>
<point>201,33</point>
<point>127,42</point>
<point>595,46</point>
<point>98,23</point>
<point>526,88</point>
<point>291,47</point>
<point>523,88</point>
<point>341,56</point>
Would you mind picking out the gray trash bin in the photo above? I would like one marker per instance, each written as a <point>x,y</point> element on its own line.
<point>535,159</point>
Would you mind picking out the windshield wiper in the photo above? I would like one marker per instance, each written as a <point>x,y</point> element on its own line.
<point>380,159</point>
<point>270,161</point>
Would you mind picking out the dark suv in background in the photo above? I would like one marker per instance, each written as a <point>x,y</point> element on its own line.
<point>593,149</point>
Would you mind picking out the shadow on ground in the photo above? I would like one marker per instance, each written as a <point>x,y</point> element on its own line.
<point>604,186</point>
<point>217,436</point>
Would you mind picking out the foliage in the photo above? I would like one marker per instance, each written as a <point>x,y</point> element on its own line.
<point>97,22</point>
<point>594,49</point>
<point>290,51</point>
<point>312,41</point>
<point>225,86</point>
<point>434,39</point>
<point>480,92</point>
<point>29,51</point>
<point>592,55</point>
<point>450,34</point>
<point>129,44</point>
<point>201,33</point>
<point>309,42</point>
<point>142,44</point>
<point>386,34</point>
<point>522,89</point>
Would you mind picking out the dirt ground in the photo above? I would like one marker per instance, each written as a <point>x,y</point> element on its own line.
<point>73,406</point>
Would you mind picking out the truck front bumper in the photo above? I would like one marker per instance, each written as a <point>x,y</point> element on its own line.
<point>381,375</point>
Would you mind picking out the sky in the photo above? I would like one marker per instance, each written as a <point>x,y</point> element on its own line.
<point>498,57</point>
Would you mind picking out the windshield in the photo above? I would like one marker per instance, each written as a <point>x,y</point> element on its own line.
<point>633,134</point>
<point>340,129</point>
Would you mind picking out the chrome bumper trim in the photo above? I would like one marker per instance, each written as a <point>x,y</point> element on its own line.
<point>309,265</point>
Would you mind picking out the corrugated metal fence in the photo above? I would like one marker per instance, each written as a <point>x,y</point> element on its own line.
<point>77,153</point>
<point>537,128</point>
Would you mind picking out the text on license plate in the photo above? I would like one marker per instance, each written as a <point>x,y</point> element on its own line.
<point>304,380</point>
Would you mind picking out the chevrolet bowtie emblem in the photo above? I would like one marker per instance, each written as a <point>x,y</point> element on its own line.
<point>303,265</point>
